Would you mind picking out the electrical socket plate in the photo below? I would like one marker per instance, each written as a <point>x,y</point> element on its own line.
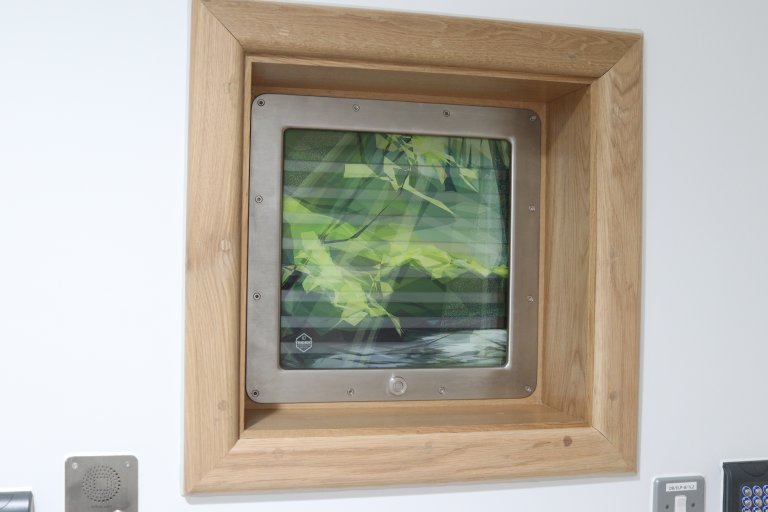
<point>665,490</point>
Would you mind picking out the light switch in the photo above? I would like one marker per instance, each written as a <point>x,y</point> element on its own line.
<point>679,494</point>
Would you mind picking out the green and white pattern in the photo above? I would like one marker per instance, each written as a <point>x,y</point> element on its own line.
<point>395,250</point>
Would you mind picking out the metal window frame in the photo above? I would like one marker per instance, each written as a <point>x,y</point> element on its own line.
<point>266,381</point>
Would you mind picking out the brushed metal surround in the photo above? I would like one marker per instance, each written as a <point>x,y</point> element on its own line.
<point>271,115</point>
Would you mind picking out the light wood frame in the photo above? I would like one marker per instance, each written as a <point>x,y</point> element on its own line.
<point>586,86</point>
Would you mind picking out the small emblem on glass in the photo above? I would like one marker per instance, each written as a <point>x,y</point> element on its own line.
<point>304,342</point>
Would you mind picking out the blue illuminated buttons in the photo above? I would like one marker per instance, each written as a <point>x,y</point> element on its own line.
<point>754,498</point>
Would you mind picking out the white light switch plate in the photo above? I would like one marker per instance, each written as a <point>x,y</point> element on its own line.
<point>679,494</point>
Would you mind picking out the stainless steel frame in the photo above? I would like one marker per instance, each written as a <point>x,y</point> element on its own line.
<point>266,381</point>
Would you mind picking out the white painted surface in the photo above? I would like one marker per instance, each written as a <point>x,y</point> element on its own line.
<point>92,183</point>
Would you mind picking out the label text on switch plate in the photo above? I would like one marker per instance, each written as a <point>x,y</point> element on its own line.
<point>681,487</point>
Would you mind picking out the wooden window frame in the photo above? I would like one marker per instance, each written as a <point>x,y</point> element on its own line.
<point>586,86</point>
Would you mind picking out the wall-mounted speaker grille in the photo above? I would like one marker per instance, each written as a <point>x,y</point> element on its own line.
<point>101,483</point>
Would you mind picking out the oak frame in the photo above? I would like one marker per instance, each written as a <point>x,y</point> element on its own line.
<point>587,87</point>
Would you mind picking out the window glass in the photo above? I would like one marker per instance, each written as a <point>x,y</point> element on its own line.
<point>395,250</point>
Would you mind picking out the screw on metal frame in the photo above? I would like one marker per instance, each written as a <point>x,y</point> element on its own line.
<point>533,118</point>
<point>258,199</point>
<point>532,208</point>
<point>356,107</point>
<point>446,113</point>
<point>260,103</point>
<point>256,296</point>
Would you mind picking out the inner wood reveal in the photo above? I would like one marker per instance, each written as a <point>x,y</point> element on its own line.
<point>567,234</point>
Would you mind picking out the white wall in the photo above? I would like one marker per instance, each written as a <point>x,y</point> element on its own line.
<point>92,184</point>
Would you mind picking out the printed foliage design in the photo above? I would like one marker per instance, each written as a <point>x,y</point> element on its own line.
<point>399,238</point>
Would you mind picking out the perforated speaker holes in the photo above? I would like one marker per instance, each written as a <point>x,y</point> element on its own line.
<point>101,483</point>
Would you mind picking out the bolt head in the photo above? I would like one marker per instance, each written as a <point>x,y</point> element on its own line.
<point>258,199</point>
<point>356,107</point>
<point>533,118</point>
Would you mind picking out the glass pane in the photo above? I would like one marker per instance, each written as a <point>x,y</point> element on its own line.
<point>395,250</point>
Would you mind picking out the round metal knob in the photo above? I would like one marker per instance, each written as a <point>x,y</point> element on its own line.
<point>397,386</point>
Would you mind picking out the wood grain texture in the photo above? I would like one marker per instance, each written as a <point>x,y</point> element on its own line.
<point>568,292</point>
<point>446,405</point>
<point>244,195</point>
<point>425,98</point>
<point>435,418</point>
<point>229,447</point>
<point>397,79</point>
<point>213,246</point>
<point>415,458</point>
<point>618,165</point>
<point>419,39</point>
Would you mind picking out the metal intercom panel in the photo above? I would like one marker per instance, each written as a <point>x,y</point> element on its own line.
<point>102,484</point>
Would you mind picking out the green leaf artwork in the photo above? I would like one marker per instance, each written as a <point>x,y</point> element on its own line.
<point>395,250</point>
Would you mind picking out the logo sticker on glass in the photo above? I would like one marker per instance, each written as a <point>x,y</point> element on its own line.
<point>303,342</point>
